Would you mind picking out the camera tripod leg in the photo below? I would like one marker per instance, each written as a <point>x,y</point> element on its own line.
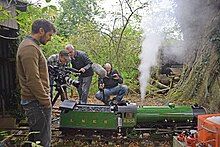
<point>60,92</point>
<point>63,93</point>
<point>55,98</point>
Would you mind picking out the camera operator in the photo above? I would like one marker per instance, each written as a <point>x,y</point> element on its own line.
<point>57,60</point>
<point>111,85</point>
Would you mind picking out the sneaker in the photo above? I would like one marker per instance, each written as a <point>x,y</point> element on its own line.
<point>114,98</point>
<point>112,102</point>
<point>122,103</point>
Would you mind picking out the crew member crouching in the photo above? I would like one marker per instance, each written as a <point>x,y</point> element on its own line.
<point>111,85</point>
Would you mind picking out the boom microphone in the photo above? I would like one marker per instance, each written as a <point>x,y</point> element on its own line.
<point>99,70</point>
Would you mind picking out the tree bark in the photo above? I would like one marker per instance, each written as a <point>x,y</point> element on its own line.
<point>200,24</point>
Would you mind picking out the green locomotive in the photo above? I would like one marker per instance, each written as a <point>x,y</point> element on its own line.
<point>97,118</point>
<point>123,118</point>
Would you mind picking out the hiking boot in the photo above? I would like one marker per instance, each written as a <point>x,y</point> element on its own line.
<point>114,98</point>
<point>122,103</point>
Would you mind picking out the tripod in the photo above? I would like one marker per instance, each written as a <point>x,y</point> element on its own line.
<point>61,91</point>
<point>63,80</point>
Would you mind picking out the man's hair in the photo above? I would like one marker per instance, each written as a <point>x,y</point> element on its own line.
<point>70,46</point>
<point>107,63</point>
<point>42,23</point>
<point>64,53</point>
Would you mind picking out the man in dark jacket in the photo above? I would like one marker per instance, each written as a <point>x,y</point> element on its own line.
<point>111,85</point>
<point>81,62</point>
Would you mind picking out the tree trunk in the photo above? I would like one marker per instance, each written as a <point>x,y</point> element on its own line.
<point>200,24</point>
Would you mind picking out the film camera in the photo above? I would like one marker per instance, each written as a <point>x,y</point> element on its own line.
<point>62,79</point>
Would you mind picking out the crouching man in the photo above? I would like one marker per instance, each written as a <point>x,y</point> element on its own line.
<point>111,85</point>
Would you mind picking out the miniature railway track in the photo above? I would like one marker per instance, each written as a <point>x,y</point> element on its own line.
<point>94,140</point>
<point>58,138</point>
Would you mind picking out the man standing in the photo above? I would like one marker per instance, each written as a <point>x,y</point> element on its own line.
<point>33,78</point>
<point>59,60</point>
<point>111,85</point>
<point>81,62</point>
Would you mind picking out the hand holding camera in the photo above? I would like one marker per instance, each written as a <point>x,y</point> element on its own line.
<point>82,70</point>
<point>101,86</point>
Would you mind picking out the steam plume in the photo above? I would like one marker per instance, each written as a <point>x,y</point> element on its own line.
<point>154,24</point>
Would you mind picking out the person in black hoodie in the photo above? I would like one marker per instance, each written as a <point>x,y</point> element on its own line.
<point>81,62</point>
<point>111,85</point>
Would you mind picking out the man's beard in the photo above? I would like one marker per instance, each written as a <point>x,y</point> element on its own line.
<point>43,40</point>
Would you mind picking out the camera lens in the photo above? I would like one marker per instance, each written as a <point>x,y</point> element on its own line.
<point>70,81</point>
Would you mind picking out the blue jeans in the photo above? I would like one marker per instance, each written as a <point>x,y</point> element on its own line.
<point>83,89</point>
<point>120,91</point>
<point>39,120</point>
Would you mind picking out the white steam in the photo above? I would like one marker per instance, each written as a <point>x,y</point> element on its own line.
<point>148,58</point>
<point>158,20</point>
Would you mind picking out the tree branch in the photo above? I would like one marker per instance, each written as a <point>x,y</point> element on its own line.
<point>127,21</point>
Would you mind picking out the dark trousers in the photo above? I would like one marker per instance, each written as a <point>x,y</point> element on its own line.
<point>51,87</point>
<point>39,120</point>
<point>83,88</point>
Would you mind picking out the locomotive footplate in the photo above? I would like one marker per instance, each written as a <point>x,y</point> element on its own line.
<point>68,104</point>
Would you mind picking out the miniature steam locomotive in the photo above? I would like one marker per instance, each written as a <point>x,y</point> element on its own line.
<point>125,118</point>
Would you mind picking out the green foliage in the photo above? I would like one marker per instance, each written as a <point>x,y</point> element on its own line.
<point>25,19</point>
<point>53,47</point>
<point>126,58</point>
<point>4,14</point>
<point>4,134</point>
<point>74,13</point>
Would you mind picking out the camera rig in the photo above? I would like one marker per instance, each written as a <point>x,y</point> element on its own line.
<point>61,77</point>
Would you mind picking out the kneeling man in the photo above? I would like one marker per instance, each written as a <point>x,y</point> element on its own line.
<point>111,85</point>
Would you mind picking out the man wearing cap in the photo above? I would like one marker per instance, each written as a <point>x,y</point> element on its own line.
<point>60,60</point>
